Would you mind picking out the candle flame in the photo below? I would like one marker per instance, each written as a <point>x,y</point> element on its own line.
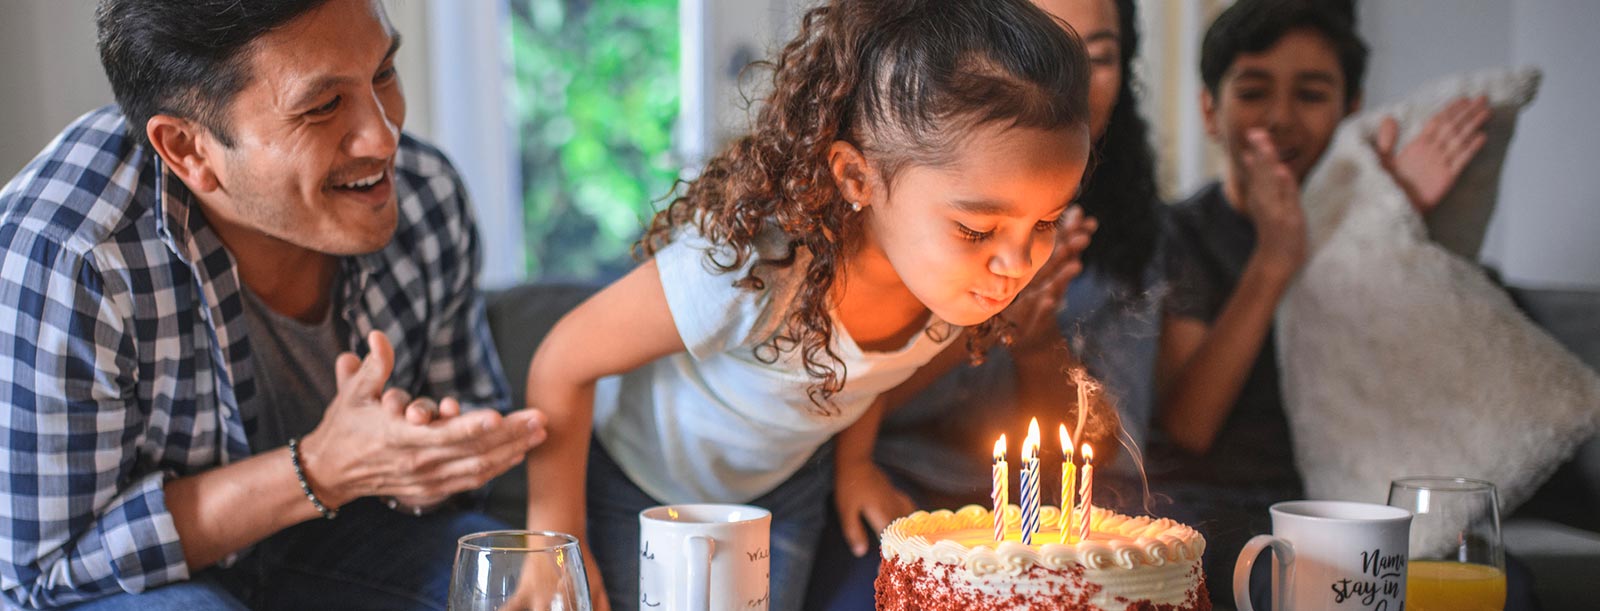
<point>1000,448</point>
<point>1030,446</point>
<point>1088,453</point>
<point>1066,442</point>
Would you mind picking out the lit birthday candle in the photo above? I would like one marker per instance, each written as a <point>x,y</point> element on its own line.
<point>1000,493</point>
<point>1085,492</point>
<point>1069,472</point>
<point>1030,483</point>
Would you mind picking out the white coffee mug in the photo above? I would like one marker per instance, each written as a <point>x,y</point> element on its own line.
<point>1331,555</point>
<point>704,557</point>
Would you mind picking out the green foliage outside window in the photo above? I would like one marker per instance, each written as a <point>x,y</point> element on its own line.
<point>595,94</point>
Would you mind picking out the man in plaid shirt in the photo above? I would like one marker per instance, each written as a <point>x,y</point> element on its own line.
<point>183,278</point>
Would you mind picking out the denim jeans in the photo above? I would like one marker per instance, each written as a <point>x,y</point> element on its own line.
<point>368,558</point>
<point>799,508</point>
<point>204,592</point>
<point>840,581</point>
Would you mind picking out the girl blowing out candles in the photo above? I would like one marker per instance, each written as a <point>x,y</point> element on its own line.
<point>908,174</point>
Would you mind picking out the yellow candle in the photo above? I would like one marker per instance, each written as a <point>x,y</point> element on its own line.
<point>1068,474</point>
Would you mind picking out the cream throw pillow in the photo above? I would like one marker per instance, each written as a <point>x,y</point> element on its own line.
<point>1399,355</point>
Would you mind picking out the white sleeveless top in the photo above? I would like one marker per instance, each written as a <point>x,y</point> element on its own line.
<point>715,423</point>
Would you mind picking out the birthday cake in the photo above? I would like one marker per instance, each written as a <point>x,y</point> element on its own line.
<point>949,560</point>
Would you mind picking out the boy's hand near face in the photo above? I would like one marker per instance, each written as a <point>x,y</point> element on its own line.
<point>1271,198</point>
<point>1428,166</point>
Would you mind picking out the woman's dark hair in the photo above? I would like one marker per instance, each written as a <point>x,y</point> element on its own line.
<point>1121,193</point>
<point>902,80</point>
<point>184,57</point>
<point>1253,26</point>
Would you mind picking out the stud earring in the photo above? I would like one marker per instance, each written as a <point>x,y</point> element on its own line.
<point>855,206</point>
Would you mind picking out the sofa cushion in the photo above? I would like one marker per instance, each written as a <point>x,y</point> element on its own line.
<point>520,317</point>
<point>1399,356</point>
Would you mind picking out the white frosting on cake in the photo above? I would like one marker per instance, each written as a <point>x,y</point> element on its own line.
<point>1131,558</point>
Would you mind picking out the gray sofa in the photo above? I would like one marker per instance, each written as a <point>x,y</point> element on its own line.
<point>519,318</point>
<point>1557,533</point>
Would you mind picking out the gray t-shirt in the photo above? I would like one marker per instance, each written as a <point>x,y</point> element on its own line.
<point>1207,250</point>
<point>294,372</point>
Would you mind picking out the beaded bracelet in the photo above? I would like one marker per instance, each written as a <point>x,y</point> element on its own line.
<point>300,473</point>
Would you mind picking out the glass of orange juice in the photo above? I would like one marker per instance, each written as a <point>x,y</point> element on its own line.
<point>1457,562</point>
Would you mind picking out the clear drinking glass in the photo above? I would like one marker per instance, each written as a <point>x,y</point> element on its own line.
<point>1457,561</point>
<point>518,570</point>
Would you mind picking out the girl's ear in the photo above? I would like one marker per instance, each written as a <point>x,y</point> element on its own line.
<point>857,180</point>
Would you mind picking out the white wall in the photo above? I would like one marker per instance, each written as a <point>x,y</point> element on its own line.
<point>1413,41</point>
<point>1550,209</point>
<point>731,34</point>
<point>410,19</point>
<point>1542,234</point>
<point>51,71</point>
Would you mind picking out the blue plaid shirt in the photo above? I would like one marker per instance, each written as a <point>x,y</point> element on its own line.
<point>124,360</point>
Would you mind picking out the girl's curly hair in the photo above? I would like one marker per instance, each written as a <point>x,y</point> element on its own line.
<point>902,80</point>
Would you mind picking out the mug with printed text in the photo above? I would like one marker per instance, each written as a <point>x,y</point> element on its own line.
<point>1331,555</point>
<point>704,557</point>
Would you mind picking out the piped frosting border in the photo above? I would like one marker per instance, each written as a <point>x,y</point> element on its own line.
<point>1151,542</point>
